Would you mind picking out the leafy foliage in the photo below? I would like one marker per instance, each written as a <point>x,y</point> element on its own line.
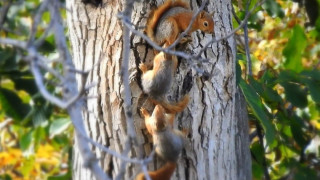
<point>283,95</point>
<point>35,137</point>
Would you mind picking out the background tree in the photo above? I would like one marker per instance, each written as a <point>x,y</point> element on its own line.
<point>277,70</point>
<point>98,35</point>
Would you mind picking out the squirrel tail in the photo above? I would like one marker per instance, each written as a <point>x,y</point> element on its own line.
<point>164,173</point>
<point>173,108</point>
<point>155,15</point>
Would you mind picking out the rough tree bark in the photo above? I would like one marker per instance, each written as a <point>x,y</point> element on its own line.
<point>217,146</point>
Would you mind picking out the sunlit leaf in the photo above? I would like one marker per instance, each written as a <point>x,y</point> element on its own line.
<point>294,49</point>
<point>258,110</point>
<point>58,126</point>
<point>26,140</point>
<point>28,165</point>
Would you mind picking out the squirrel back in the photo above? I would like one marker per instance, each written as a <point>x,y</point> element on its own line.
<point>171,18</point>
<point>158,13</point>
<point>168,142</point>
<point>157,82</point>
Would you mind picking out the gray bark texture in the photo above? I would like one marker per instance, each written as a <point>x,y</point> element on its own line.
<point>217,146</point>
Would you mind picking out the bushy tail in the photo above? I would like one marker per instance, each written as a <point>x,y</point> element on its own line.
<point>164,173</point>
<point>173,108</point>
<point>155,15</point>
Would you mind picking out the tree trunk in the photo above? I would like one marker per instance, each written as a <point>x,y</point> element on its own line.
<point>217,146</point>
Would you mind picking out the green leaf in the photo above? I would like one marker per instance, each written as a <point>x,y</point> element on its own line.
<point>297,132</point>
<point>7,60</point>
<point>314,74</point>
<point>268,78</point>
<point>291,76</point>
<point>314,88</point>
<point>273,8</point>
<point>238,72</point>
<point>294,49</point>
<point>258,152</point>
<point>256,85</point>
<point>28,165</point>
<point>257,170</point>
<point>26,84</point>
<point>305,172</point>
<point>12,104</point>
<point>314,111</point>
<point>39,135</point>
<point>312,80</point>
<point>26,140</point>
<point>295,94</point>
<point>58,126</point>
<point>39,116</point>
<point>66,176</point>
<point>5,177</point>
<point>258,109</point>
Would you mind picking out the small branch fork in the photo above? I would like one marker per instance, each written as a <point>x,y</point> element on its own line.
<point>127,22</point>
<point>72,99</point>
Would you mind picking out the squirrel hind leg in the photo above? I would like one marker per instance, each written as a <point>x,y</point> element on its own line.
<point>143,67</point>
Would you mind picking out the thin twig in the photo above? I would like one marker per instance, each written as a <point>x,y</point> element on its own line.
<point>70,88</point>
<point>232,32</point>
<point>184,33</point>
<point>4,11</point>
<point>128,24</point>
<point>246,40</point>
<point>127,91</point>
<point>37,20</point>
<point>41,39</point>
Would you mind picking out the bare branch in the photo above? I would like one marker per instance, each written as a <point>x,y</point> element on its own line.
<point>125,72</point>
<point>4,11</point>
<point>40,40</point>
<point>13,42</point>
<point>111,152</point>
<point>246,40</point>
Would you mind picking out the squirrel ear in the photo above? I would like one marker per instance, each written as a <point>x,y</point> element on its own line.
<point>202,14</point>
<point>211,14</point>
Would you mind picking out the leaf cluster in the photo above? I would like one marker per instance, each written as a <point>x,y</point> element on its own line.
<point>283,93</point>
<point>35,136</point>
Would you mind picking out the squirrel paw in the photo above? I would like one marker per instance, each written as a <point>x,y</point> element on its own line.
<point>143,67</point>
<point>144,112</point>
<point>185,40</point>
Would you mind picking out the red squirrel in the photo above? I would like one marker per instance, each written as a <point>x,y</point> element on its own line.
<point>168,141</point>
<point>173,17</point>
<point>157,82</point>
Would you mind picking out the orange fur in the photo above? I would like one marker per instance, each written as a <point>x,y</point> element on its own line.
<point>168,141</point>
<point>155,15</point>
<point>178,21</point>
<point>173,108</point>
<point>164,173</point>
<point>157,81</point>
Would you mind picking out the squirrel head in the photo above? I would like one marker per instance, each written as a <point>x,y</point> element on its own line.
<point>205,22</point>
<point>160,118</point>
